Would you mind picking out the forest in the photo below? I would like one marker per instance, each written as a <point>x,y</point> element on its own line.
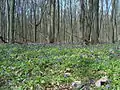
<point>59,45</point>
<point>53,21</point>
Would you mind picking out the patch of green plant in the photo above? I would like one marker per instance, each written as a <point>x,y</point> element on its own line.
<point>25,67</point>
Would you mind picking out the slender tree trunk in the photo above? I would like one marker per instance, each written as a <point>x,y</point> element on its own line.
<point>12,31</point>
<point>34,27</point>
<point>58,30</point>
<point>82,17</point>
<point>8,21</point>
<point>95,31</point>
<point>89,21</point>
<point>112,21</point>
<point>115,19</point>
<point>0,17</point>
<point>52,21</point>
<point>107,22</point>
<point>101,21</point>
<point>71,21</point>
<point>54,13</point>
<point>65,24</point>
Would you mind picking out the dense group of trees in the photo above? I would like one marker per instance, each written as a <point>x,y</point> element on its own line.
<point>59,21</point>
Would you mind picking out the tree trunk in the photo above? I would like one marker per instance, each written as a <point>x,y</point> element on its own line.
<point>12,31</point>
<point>58,30</point>
<point>52,21</point>
<point>0,16</point>
<point>71,21</point>
<point>113,21</point>
<point>82,18</point>
<point>8,21</point>
<point>95,30</point>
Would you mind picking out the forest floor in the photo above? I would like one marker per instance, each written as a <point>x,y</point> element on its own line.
<point>58,67</point>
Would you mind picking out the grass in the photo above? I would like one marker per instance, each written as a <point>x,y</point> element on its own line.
<point>35,67</point>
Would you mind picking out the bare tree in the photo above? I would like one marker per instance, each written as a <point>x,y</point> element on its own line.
<point>82,17</point>
<point>12,31</point>
<point>58,28</point>
<point>113,21</point>
<point>8,20</point>
<point>0,16</point>
<point>95,30</point>
<point>52,22</point>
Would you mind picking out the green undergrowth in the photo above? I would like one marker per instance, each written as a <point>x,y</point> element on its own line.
<point>34,67</point>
